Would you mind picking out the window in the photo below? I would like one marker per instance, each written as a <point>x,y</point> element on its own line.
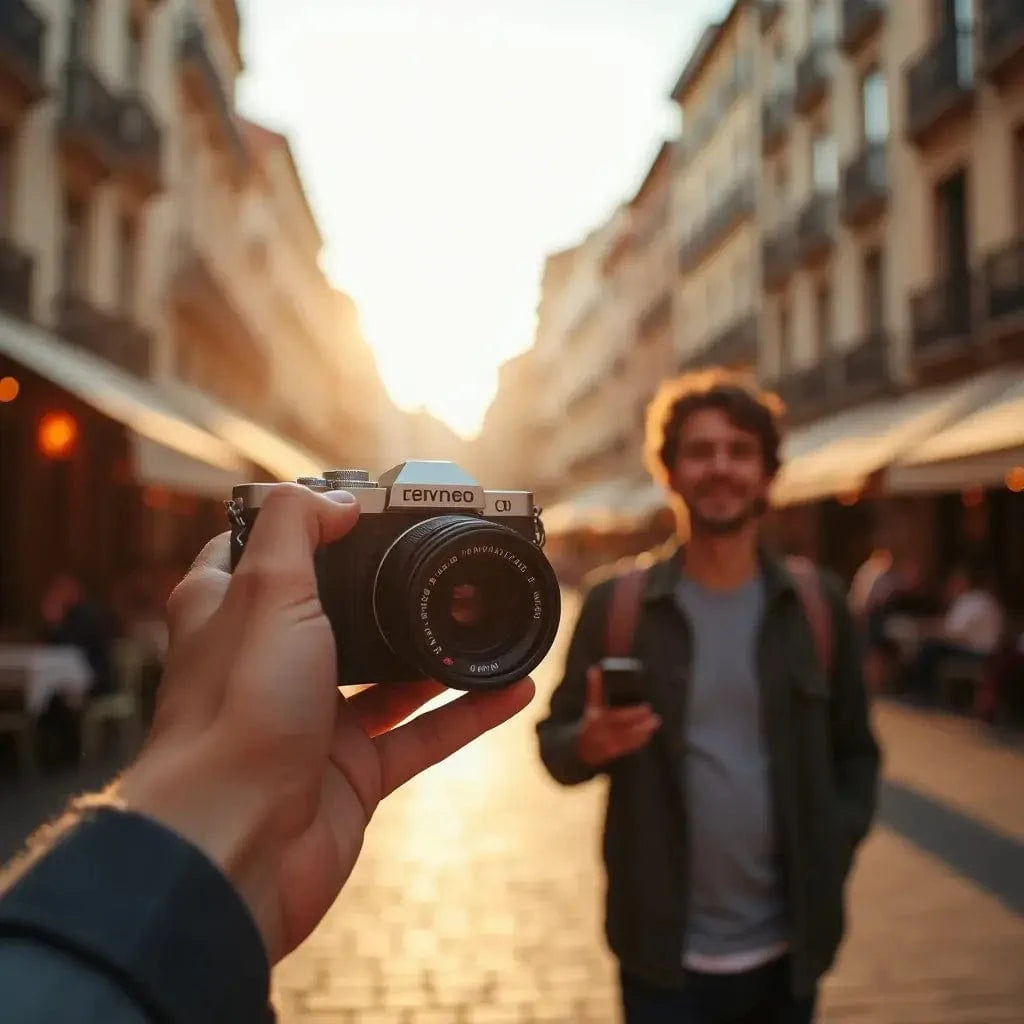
<point>823,320</point>
<point>874,106</point>
<point>83,24</point>
<point>874,291</point>
<point>75,246</point>
<point>822,24</point>
<point>134,44</point>
<point>824,162</point>
<point>6,180</point>
<point>129,265</point>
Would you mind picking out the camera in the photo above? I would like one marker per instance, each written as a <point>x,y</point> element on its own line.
<point>439,578</point>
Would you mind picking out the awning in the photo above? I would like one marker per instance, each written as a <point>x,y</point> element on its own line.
<point>281,458</point>
<point>979,450</point>
<point>157,465</point>
<point>613,504</point>
<point>133,402</point>
<point>837,455</point>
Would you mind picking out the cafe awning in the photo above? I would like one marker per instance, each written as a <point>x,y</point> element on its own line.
<point>839,454</point>
<point>279,457</point>
<point>613,504</point>
<point>137,404</point>
<point>980,450</point>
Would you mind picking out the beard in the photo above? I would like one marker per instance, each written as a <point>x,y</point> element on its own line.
<point>722,526</point>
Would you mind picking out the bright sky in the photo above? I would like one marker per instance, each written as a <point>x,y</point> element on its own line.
<point>448,145</point>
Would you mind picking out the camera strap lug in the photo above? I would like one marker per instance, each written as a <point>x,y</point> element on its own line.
<point>234,508</point>
<point>539,536</point>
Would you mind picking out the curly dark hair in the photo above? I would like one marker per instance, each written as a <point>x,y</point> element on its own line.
<point>737,394</point>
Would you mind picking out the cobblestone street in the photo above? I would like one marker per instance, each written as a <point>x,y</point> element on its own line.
<point>478,895</point>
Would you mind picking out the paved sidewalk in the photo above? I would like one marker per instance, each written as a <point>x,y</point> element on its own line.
<point>478,895</point>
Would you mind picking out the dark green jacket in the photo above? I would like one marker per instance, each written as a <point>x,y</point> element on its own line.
<point>824,763</point>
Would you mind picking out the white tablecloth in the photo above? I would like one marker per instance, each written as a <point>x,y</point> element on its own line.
<point>51,670</point>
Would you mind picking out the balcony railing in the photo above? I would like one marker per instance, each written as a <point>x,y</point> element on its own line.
<point>90,117</point>
<point>865,366</point>
<point>941,83</point>
<point>1002,37</point>
<point>194,54</point>
<point>780,255</point>
<point>770,10</point>
<point>816,228</point>
<point>736,205</point>
<point>734,346</point>
<point>813,75</point>
<point>861,18</point>
<point>139,142</point>
<point>941,315</point>
<point>1003,285</point>
<point>865,185</point>
<point>21,50</point>
<point>112,338</point>
<point>776,117</point>
<point>15,280</point>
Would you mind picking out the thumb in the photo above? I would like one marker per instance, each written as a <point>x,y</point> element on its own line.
<point>595,688</point>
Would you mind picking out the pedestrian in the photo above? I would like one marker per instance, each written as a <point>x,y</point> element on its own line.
<point>167,897</point>
<point>743,778</point>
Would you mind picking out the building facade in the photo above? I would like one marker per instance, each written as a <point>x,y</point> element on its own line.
<point>165,328</point>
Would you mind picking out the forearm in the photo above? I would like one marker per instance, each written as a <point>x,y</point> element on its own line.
<point>559,750</point>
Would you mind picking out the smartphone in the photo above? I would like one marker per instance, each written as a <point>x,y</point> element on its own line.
<point>623,682</point>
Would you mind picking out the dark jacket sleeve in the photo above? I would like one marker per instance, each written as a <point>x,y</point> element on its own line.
<point>121,921</point>
<point>559,731</point>
<point>855,752</point>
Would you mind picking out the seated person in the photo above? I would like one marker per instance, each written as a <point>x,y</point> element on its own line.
<point>971,631</point>
<point>69,617</point>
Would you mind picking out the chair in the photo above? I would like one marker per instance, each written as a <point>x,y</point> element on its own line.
<point>123,706</point>
<point>956,677</point>
<point>15,719</point>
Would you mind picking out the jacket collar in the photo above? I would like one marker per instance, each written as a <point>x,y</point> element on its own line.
<point>663,575</point>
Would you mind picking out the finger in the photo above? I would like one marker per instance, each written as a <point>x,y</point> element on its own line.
<point>595,687</point>
<point>380,708</point>
<point>407,751</point>
<point>622,718</point>
<point>194,600</point>
<point>277,566</point>
<point>631,740</point>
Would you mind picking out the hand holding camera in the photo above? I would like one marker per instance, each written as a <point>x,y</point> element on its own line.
<point>255,756</point>
<point>615,721</point>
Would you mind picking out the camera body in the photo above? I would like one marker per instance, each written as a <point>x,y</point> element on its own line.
<point>438,578</point>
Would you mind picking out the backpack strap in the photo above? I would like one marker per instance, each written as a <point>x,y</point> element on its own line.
<point>623,613</point>
<point>816,607</point>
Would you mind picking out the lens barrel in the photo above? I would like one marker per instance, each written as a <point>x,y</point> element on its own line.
<point>467,601</point>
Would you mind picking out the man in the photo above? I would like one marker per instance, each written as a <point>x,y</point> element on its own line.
<point>740,789</point>
<point>166,897</point>
<point>69,617</point>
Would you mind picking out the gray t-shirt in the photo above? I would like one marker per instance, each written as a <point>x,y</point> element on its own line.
<point>737,903</point>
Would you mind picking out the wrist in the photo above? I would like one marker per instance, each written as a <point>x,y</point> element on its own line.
<point>220,812</point>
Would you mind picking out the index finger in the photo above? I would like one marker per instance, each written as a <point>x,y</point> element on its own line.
<point>293,522</point>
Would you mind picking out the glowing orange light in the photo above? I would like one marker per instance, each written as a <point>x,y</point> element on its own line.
<point>9,388</point>
<point>849,499</point>
<point>972,497</point>
<point>57,435</point>
<point>1015,479</point>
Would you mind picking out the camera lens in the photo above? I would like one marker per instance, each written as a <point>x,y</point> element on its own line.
<point>466,601</point>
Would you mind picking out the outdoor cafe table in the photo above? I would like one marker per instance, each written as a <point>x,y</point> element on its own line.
<point>48,671</point>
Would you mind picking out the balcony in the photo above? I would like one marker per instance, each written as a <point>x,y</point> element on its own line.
<point>733,346</point>
<point>22,75</point>
<point>737,204</point>
<point>1002,39</point>
<point>655,317</point>
<point>807,391</point>
<point>15,280</point>
<point>861,20</point>
<point>813,76</point>
<point>940,317</point>
<point>780,255</point>
<point>138,146</point>
<point>1002,300</point>
<point>88,129</point>
<point>865,186</point>
<point>776,117</point>
<point>816,228</point>
<point>940,86</point>
<point>113,338</point>
<point>205,90</point>
<point>864,368</point>
<point>770,11</point>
